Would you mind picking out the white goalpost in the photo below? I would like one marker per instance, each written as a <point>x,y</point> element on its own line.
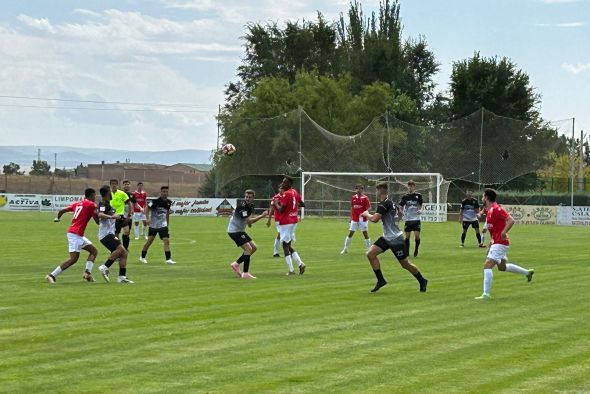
<point>328,193</point>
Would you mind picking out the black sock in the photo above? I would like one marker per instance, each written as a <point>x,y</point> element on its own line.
<point>109,262</point>
<point>463,238</point>
<point>122,271</point>
<point>417,246</point>
<point>478,235</point>
<point>407,246</point>
<point>246,262</point>
<point>418,277</point>
<point>240,259</point>
<point>379,275</point>
<point>168,254</point>
<point>143,254</point>
<point>126,241</point>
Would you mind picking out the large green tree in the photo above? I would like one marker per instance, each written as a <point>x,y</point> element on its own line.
<point>40,167</point>
<point>12,169</point>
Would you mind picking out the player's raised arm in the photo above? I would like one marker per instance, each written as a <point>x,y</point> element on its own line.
<point>376,217</point>
<point>252,220</point>
<point>61,212</point>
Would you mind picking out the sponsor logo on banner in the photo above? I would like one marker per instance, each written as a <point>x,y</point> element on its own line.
<point>429,213</point>
<point>57,202</point>
<point>573,216</point>
<point>202,206</point>
<point>21,202</point>
<point>532,214</point>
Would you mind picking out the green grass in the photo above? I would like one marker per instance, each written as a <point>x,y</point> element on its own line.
<point>194,327</point>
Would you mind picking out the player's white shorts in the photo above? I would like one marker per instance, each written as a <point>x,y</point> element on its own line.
<point>287,232</point>
<point>76,243</point>
<point>138,216</point>
<point>278,226</point>
<point>498,252</point>
<point>362,226</point>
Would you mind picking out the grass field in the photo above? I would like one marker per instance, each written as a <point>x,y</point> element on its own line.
<point>194,327</point>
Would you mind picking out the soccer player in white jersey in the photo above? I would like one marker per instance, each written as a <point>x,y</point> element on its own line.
<point>236,230</point>
<point>468,217</point>
<point>359,203</point>
<point>393,238</point>
<point>106,234</point>
<point>412,205</point>
<point>499,222</point>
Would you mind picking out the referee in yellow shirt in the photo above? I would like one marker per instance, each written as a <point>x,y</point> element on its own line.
<point>118,201</point>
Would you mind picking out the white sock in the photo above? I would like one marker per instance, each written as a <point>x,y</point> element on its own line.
<point>347,242</point>
<point>136,229</point>
<point>289,263</point>
<point>487,280</point>
<point>89,265</point>
<point>368,242</point>
<point>56,271</point>
<point>275,249</point>
<point>483,238</point>
<point>516,269</point>
<point>297,258</point>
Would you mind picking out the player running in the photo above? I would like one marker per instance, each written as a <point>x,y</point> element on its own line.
<point>274,213</point>
<point>412,205</point>
<point>123,206</point>
<point>392,238</point>
<point>236,230</point>
<point>158,215</point>
<point>499,222</point>
<point>468,217</point>
<point>106,219</point>
<point>139,211</point>
<point>288,205</point>
<point>359,203</point>
<point>83,211</point>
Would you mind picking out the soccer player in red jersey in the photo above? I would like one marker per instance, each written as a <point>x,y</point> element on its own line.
<point>288,206</point>
<point>359,204</point>
<point>83,211</point>
<point>274,213</point>
<point>499,222</point>
<point>139,210</point>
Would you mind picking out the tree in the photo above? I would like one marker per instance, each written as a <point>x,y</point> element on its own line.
<point>494,84</point>
<point>40,167</point>
<point>12,169</point>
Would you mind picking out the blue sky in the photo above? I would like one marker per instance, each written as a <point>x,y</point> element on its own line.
<point>184,51</point>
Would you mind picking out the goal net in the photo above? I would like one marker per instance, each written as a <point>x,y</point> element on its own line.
<point>329,193</point>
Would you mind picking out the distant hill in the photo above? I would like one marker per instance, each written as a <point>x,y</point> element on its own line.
<point>69,157</point>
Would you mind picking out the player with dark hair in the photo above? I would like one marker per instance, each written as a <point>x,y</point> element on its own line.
<point>106,219</point>
<point>236,230</point>
<point>83,211</point>
<point>388,212</point>
<point>274,213</point>
<point>412,205</point>
<point>128,213</point>
<point>139,211</point>
<point>499,222</point>
<point>288,206</point>
<point>468,217</point>
<point>359,203</point>
<point>158,215</point>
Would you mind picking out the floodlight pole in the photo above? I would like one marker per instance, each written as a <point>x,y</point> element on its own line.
<point>480,148</point>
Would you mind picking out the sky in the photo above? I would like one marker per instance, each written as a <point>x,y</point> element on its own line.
<point>155,70</point>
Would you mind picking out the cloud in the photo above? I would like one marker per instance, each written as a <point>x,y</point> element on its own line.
<point>567,24</point>
<point>40,24</point>
<point>576,68</point>
<point>82,11</point>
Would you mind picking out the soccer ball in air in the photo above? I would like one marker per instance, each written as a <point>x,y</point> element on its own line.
<point>228,149</point>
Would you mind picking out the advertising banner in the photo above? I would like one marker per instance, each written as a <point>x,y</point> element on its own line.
<point>573,216</point>
<point>429,213</point>
<point>20,202</point>
<point>55,202</point>
<point>203,206</point>
<point>532,214</point>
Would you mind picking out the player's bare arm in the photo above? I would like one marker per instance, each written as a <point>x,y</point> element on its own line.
<point>60,214</point>
<point>374,218</point>
<point>252,220</point>
<point>509,224</point>
<point>271,211</point>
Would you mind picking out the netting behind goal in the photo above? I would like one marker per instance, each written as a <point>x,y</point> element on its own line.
<point>482,148</point>
<point>329,194</point>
